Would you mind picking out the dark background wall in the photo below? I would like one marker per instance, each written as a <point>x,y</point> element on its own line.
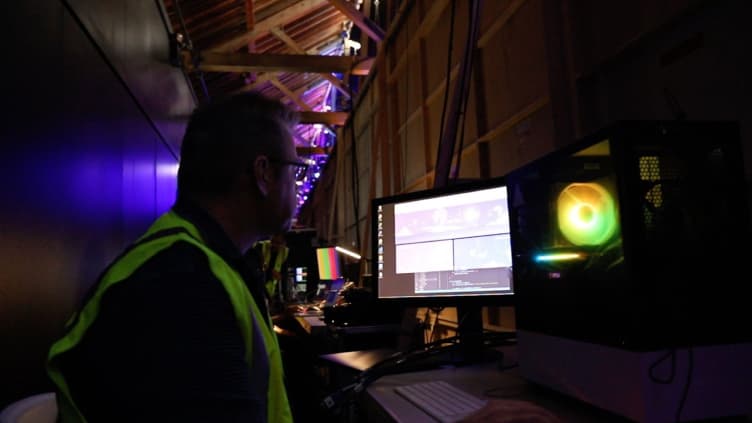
<point>668,62</point>
<point>672,61</point>
<point>89,139</point>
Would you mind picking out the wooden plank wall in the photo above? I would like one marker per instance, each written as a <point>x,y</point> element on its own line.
<point>546,72</point>
<point>398,119</point>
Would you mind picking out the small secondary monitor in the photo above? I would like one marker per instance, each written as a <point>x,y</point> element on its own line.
<point>301,279</point>
<point>328,262</point>
<point>444,246</point>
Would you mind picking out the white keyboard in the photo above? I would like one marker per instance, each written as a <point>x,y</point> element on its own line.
<point>440,400</point>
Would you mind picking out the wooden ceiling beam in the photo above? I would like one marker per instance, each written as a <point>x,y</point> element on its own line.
<point>363,22</point>
<point>295,47</point>
<point>289,42</point>
<point>362,65</point>
<point>312,151</point>
<point>337,84</point>
<point>263,27</point>
<point>249,62</point>
<point>250,17</point>
<point>289,94</point>
<point>261,79</point>
<point>327,118</point>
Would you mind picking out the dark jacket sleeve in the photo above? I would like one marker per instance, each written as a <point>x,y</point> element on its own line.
<point>165,347</point>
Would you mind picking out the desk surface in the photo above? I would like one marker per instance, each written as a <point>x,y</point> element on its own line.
<point>311,324</point>
<point>359,360</point>
<point>484,381</point>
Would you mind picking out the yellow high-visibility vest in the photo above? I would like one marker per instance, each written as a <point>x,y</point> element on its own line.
<point>276,269</point>
<point>262,352</point>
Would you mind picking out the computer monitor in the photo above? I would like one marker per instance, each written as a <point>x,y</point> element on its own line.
<point>445,247</point>
<point>329,265</point>
<point>300,279</point>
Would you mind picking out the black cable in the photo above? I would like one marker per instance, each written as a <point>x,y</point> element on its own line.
<point>398,362</point>
<point>468,61</point>
<point>170,33</point>
<point>674,105</point>
<point>461,319</point>
<point>196,58</point>
<point>651,370</point>
<point>355,178</point>
<point>163,16</point>
<point>403,144</point>
<point>426,318</point>
<point>335,400</point>
<point>685,391</point>
<point>463,108</point>
<point>436,311</point>
<point>204,87</point>
<point>188,42</point>
<point>448,70</point>
<point>671,354</point>
<point>462,138</point>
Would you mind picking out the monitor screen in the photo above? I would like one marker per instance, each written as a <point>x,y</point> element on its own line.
<point>301,279</point>
<point>442,246</point>
<point>328,263</point>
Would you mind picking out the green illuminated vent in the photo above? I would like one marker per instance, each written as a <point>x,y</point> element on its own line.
<point>655,196</point>
<point>650,168</point>
<point>650,171</point>
<point>586,214</point>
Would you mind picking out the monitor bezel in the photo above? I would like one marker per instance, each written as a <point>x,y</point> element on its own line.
<point>480,300</point>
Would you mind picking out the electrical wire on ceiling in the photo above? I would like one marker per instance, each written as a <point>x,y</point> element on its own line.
<point>354,176</point>
<point>452,14</point>
<point>189,46</point>
<point>469,56</point>
<point>355,181</point>
<point>446,148</point>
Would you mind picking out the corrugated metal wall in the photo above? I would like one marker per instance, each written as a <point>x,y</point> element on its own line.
<point>88,161</point>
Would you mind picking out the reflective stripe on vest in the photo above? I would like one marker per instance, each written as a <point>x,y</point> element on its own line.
<point>266,256</point>
<point>264,361</point>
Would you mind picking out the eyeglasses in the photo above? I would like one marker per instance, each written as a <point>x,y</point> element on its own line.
<point>300,168</point>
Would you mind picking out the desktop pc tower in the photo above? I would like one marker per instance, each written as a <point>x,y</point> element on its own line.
<point>630,270</point>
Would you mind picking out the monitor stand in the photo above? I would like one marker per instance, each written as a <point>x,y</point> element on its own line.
<point>644,386</point>
<point>472,347</point>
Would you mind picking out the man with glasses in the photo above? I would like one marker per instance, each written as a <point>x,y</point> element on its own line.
<point>176,328</point>
<point>301,168</point>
